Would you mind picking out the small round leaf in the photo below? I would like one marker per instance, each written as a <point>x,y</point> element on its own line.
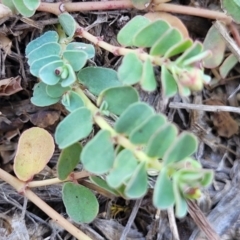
<point>81,204</point>
<point>73,128</point>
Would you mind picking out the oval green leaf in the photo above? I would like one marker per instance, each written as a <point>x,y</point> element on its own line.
<point>87,48</point>
<point>169,85</point>
<point>35,149</point>
<point>23,9</point>
<point>124,166</point>
<point>98,154</point>
<point>48,49</point>
<point>81,204</point>
<point>56,91</point>
<point>167,40</point>
<point>47,37</point>
<point>48,73</point>
<point>32,4</point>
<point>132,117</point>
<point>228,65</point>
<point>76,58</point>
<point>68,160</point>
<point>178,48</point>
<point>161,140</point>
<point>142,134</point>
<point>40,97</point>
<point>38,64</point>
<point>73,128</point>
<point>137,185</point>
<point>232,9</point>
<point>148,81</point>
<point>194,50</point>
<point>118,98</point>
<point>184,146</point>
<point>148,35</point>
<point>71,76</point>
<point>163,196</point>
<point>68,23</point>
<point>97,79</point>
<point>217,45</point>
<point>72,101</point>
<point>126,34</point>
<point>130,71</point>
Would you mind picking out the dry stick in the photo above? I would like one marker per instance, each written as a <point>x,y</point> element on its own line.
<point>200,12</point>
<point>172,223</point>
<point>206,108</point>
<point>201,221</point>
<point>230,42</point>
<point>58,8</point>
<point>21,187</point>
<point>131,219</point>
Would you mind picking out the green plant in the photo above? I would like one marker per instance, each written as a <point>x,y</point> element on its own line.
<point>141,141</point>
<point>25,7</point>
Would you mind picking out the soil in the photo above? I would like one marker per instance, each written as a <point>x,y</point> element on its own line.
<point>220,203</point>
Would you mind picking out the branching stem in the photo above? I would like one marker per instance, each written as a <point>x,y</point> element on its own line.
<point>56,217</point>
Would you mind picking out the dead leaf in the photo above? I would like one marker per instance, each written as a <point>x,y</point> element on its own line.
<point>4,11</point>
<point>172,20</point>
<point>45,118</point>
<point>5,44</point>
<point>35,149</point>
<point>10,86</point>
<point>224,123</point>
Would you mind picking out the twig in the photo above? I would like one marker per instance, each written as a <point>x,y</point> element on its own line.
<point>230,42</point>
<point>172,224</point>
<point>201,221</point>
<point>131,219</point>
<point>200,12</point>
<point>206,108</point>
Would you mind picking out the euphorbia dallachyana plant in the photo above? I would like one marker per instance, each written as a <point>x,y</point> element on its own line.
<point>141,141</point>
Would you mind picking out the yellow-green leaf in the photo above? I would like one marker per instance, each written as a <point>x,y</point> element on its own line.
<point>35,148</point>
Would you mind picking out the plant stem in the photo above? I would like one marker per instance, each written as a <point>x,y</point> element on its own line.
<point>58,8</point>
<point>200,12</point>
<point>81,32</point>
<point>157,5</point>
<point>75,176</point>
<point>56,217</point>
